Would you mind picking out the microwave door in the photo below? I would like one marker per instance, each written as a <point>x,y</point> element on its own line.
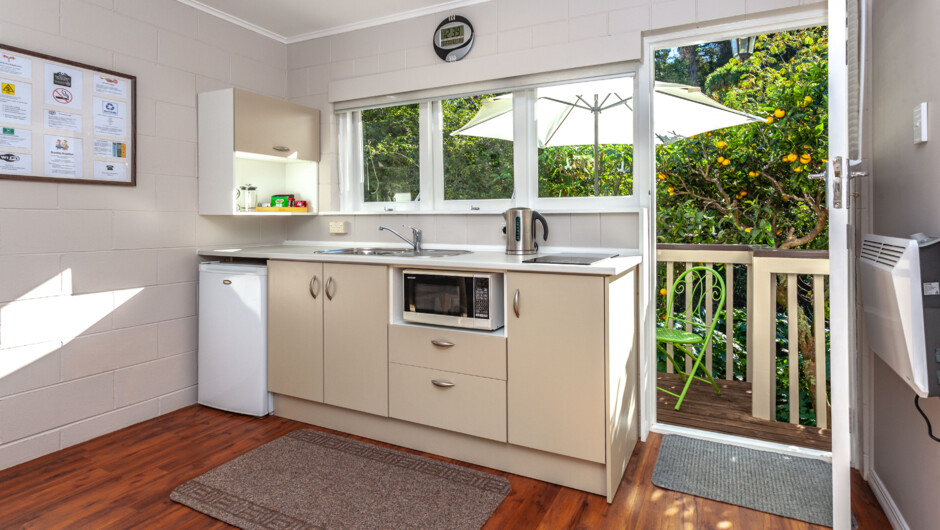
<point>438,295</point>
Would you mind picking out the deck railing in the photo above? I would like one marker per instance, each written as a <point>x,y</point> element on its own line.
<point>765,271</point>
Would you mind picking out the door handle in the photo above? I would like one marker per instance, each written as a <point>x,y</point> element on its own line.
<point>314,286</point>
<point>442,383</point>
<point>326,289</point>
<point>515,303</point>
<point>442,343</point>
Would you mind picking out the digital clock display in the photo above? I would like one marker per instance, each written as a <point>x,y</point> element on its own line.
<point>452,32</point>
<point>452,36</point>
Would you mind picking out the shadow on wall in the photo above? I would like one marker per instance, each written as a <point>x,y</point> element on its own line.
<point>34,326</point>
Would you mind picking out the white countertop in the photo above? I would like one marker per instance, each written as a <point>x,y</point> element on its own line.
<point>477,260</point>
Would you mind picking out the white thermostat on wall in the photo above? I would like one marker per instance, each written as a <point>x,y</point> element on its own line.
<point>453,38</point>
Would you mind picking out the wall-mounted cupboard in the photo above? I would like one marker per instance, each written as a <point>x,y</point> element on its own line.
<point>248,139</point>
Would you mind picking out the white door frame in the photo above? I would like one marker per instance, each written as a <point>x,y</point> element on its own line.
<point>644,163</point>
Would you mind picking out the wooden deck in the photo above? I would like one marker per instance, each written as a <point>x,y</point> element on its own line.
<point>730,413</point>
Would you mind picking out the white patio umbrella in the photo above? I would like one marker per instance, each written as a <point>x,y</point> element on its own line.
<point>601,112</point>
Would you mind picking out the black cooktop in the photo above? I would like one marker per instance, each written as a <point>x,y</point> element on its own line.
<point>569,258</point>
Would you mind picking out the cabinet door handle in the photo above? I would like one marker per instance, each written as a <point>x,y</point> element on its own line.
<point>515,303</point>
<point>329,283</point>
<point>281,148</point>
<point>442,343</point>
<point>314,286</point>
<point>442,383</point>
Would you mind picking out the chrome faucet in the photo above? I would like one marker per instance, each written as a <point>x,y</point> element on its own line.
<point>416,232</point>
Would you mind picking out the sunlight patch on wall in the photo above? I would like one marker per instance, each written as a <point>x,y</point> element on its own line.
<point>47,324</point>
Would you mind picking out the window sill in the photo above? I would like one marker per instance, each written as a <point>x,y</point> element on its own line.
<point>626,209</point>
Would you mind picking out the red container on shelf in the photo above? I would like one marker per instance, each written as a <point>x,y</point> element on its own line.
<point>300,204</point>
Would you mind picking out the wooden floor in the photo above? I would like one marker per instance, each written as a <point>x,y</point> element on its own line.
<point>730,413</point>
<point>124,479</point>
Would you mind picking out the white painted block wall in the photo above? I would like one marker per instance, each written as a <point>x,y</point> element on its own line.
<point>70,254</point>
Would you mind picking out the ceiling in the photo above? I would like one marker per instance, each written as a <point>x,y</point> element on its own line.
<point>297,20</point>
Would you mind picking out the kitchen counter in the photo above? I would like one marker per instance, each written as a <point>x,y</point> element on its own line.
<point>482,260</point>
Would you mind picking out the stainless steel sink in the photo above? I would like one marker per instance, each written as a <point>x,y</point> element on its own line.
<point>396,252</point>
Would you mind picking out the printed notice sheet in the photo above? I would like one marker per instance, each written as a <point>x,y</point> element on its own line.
<point>63,86</point>
<point>16,101</point>
<point>110,86</point>
<point>16,164</point>
<point>15,64</point>
<point>56,119</point>
<point>15,138</point>
<point>63,156</point>
<point>109,118</point>
<point>110,171</point>
<point>109,149</point>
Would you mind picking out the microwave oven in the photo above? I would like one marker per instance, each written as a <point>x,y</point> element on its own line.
<point>453,298</point>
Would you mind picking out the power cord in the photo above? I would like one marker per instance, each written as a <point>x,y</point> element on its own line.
<point>929,428</point>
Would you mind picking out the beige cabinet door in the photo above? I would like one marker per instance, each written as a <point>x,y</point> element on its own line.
<point>276,127</point>
<point>555,379</point>
<point>355,324</point>
<point>295,329</point>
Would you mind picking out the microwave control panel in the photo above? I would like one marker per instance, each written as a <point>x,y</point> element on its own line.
<point>481,298</point>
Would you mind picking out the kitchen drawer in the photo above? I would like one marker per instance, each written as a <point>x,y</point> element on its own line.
<point>471,353</point>
<point>473,405</point>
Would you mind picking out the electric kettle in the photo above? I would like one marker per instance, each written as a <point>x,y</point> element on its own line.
<point>520,230</point>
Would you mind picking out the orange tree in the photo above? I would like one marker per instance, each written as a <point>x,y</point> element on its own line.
<point>749,184</point>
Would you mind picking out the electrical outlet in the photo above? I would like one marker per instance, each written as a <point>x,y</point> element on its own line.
<point>337,227</point>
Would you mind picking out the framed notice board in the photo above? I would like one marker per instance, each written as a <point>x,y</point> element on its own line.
<point>62,121</point>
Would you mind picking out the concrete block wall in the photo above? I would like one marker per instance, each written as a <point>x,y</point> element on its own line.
<point>98,283</point>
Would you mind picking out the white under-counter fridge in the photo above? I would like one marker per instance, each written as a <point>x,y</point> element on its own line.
<point>233,338</point>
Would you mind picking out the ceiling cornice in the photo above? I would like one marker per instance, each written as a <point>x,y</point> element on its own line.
<point>446,6</point>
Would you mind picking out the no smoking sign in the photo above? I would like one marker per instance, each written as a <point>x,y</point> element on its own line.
<point>62,96</point>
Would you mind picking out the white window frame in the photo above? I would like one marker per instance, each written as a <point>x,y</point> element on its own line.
<point>431,160</point>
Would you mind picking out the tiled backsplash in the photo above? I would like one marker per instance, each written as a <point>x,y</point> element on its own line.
<point>587,230</point>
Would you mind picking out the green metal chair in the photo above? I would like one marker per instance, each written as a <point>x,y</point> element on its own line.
<point>698,286</point>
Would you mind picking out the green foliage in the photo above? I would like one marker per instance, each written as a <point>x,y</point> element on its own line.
<point>390,152</point>
<point>474,167</point>
<point>568,171</point>
<point>748,184</point>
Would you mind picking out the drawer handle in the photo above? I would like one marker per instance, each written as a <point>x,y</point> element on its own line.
<point>442,343</point>
<point>326,289</point>
<point>515,303</point>
<point>442,383</point>
<point>281,148</point>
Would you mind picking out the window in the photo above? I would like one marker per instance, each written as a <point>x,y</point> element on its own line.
<point>585,139</point>
<point>390,154</point>
<point>490,151</point>
<point>478,166</point>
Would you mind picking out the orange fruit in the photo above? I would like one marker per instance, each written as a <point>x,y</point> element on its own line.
<point>779,113</point>
<point>670,189</point>
<point>721,143</point>
<point>662,176</point>
<point>792,157</point>
<point>747,230</point>
<point>743,193</point>
<point>797,169</point>
<point>805,159</point>
<point>808,99</point>
<point>721,159</point>
<point>725,162</point>
<point>662,291</point>
<point>770,119</point>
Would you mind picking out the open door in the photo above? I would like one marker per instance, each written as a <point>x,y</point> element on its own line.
<point>841,265</point>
